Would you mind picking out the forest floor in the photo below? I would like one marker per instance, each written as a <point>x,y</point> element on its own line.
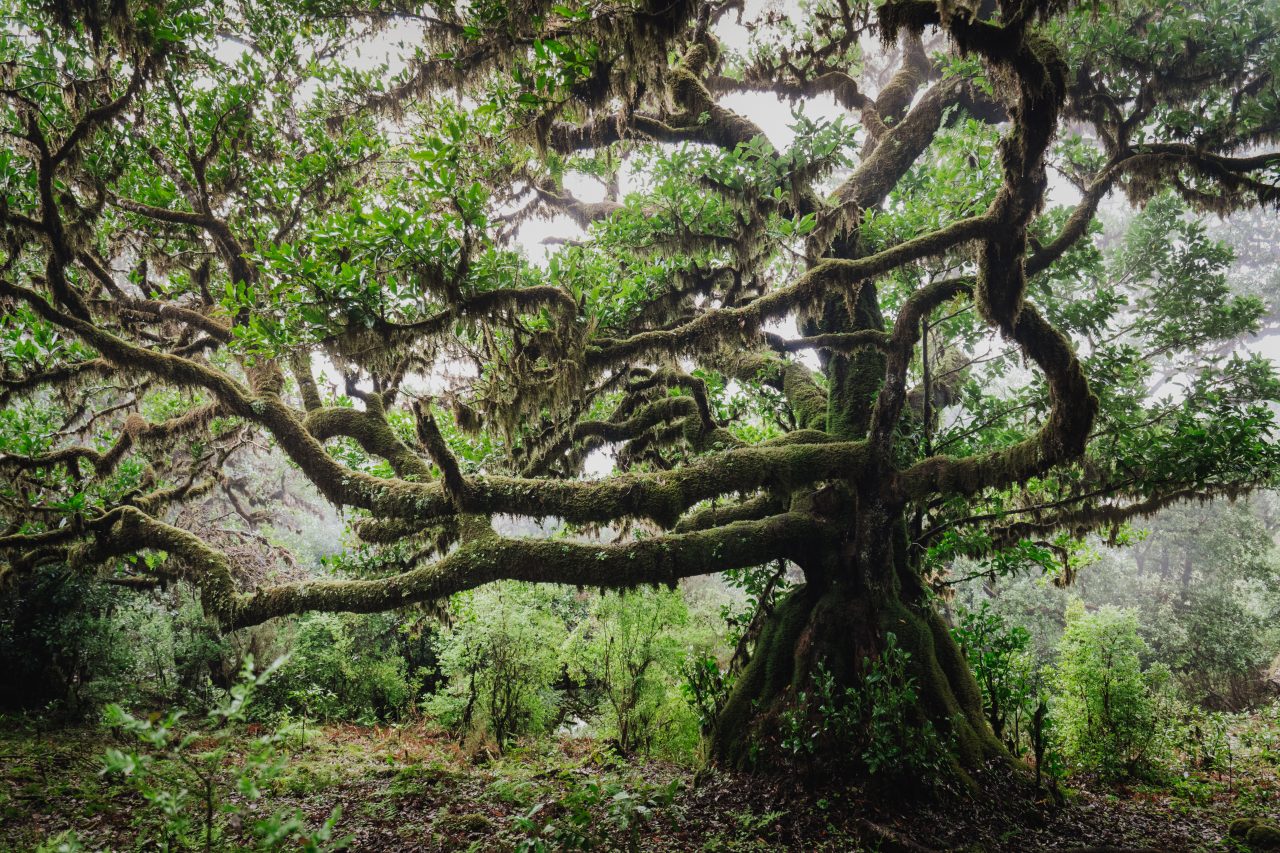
<point>412,787</point>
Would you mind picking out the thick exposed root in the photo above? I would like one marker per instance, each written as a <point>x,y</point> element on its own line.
<point>842,632</point>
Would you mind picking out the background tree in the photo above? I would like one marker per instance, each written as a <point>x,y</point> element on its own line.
<point>224,237</point>
<point>1201,579</point>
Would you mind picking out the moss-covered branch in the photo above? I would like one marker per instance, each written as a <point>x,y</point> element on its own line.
<point>1061,438</point>
<point>369,428</point>
<point>828,276</point>
<point>808,400</point>
<point>456,485</point>
<point>901,349</point>
<point>188,557</point>
<point>896,151</point>
<point>718,515</point>
<point>385,335</point>
<point>843,342</point>
<point>58,375</point>
<point>661,497</point>
<point>1083,516</point>
<point>657,560</point>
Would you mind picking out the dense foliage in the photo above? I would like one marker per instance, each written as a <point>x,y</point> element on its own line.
<point>277,338</point>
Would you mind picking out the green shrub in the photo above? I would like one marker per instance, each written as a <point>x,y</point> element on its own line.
<point>70,643</point>
<point>198,650</point>
<point>631,649</point>
<point>872,725</point>
<point>319,666</point>
<point>501,659</point>
<point>592,815</point>
<point>64,842</point>
<point>1112,714</point>
<point>333,673</point>
<point>705,687</point>
<point>1015,698</point>
<point>999,654</point>
<point>187,776</point>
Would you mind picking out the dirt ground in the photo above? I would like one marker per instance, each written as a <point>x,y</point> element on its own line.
<point>414,788</point>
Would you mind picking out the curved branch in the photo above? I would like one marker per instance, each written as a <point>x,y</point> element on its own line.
<point>62,374</point>
<point>1080,521</point>
<point>902,344</point>
<point>659,497</point>
<point>662,559</point>
<point>842,342</point>
<point>104,113</point>
<point>750,509</point>
<point>456,485</point>
<point>1061,438</point>
<point>660,411</point>
<point>828,276</point>
<point>371,431</point>
<point>385,335</point>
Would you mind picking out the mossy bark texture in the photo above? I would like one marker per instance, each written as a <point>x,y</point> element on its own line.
<point>840,626</point>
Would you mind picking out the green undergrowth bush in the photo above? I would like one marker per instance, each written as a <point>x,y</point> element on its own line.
<point>69,644</point>
<point>593,814</point>
<point>871,727</point>
<point>521,660</point>
<point>1001,661</point>
<point>1115,716</point>
<point>1101,706</point>
<point>630,651</point>
<point>200,782</point>
<point>347,667</point>
<point>501,659</point>
<point>506,661</point>
<point>1262,734</point>
<point>1201,580</point>
<point>705,686</point>
<point>1015,692</point>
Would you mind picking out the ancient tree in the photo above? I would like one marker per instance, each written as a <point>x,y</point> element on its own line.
<point>890,342</point>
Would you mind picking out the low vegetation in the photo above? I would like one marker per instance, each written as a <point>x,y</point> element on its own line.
<point>546,718</point>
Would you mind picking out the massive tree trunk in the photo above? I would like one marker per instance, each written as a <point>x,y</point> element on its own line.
<point>842,624</point>
<point>780,715</point>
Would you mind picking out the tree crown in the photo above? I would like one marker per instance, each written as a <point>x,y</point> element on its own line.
<point>227,234</point>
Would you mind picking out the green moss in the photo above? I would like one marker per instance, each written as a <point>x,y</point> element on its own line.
<point>419,779</point>
<point>964,687</point>
<point>1263,836</point>
<point>936,687</point>
<point>311,776</point>
<point>1255,833</point>
<point>472,823</point>
<point>854,381</point>
<point>808,402</point>
<point>766,678</point>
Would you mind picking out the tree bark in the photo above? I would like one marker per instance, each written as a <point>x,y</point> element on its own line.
<point>842,624</point>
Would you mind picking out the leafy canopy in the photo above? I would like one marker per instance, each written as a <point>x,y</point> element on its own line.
<point>242,229</point>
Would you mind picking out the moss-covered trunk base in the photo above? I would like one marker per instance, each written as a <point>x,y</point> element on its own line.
<point>796,705</point>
